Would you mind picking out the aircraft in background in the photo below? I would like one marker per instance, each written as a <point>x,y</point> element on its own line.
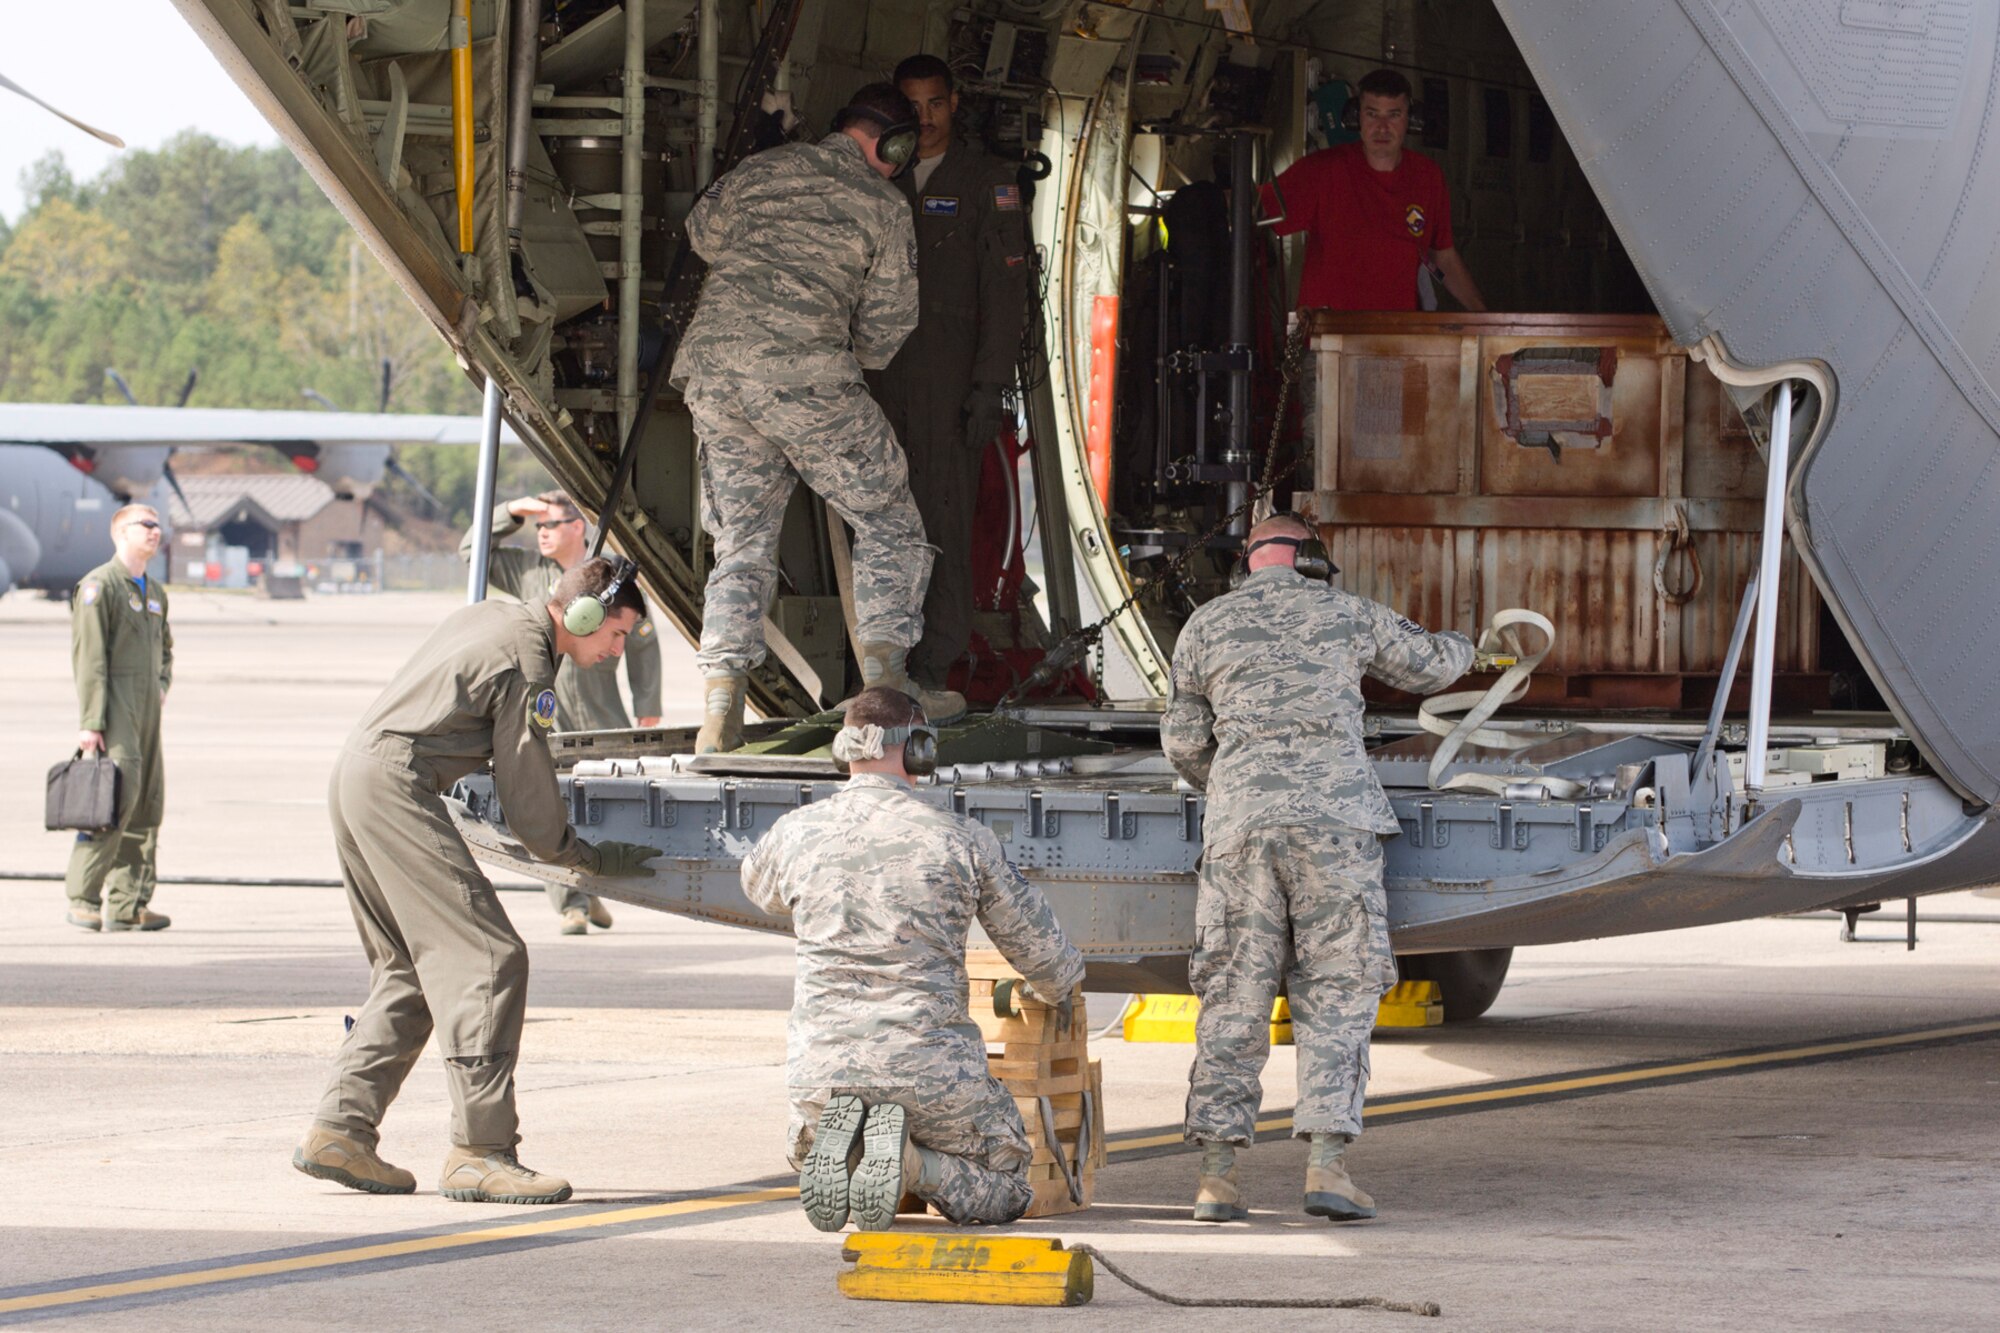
<point>64,467</point>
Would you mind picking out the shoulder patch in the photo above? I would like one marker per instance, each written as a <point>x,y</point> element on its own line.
<point>87,593</point>
<point>135,603</point>
<point>1007,198</point>
<point>913,254</point>
<point>1408,626</point>
<point>645,630</point>
<point>542,710</point>
<point>714,190</point>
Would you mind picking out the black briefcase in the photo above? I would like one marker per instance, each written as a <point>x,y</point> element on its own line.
<point>83,794</point>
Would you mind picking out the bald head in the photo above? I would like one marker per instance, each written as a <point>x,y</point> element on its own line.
<point>1277,553</point>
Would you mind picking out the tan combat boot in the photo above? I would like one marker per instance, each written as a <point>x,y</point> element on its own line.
<point>722,714</point>
<point>85,917</point>
<point>877,1185</point>
<point>823,1175</point>
<point>475,1176</point>
<point>144,921</point>
<point>1218,1197</point>
<point>327,1154</point>
<point>886,664</point>
<point>598,914</point>
<point>1330,1191</point>
<point>574,922</point>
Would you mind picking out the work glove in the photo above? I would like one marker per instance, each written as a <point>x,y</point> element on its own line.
<point>985,415</point>
<point>621,860</point>
<point>1065,1007</point>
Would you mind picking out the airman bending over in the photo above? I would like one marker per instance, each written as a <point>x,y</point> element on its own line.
<point>812,279</point>
<point>123,655</point>
<point>881,1053</point>
<point>586,698</point>
<point>441,951</point>
<point>1266,715</point>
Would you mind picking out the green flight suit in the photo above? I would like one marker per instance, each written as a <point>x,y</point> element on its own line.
<point>123,655</point>
<point>587,697</point>
<point>972,295</point>
<point>440,948</point>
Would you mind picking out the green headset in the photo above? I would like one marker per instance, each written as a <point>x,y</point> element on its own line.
<point>1310,559</point>
<point>586,614</point>
<point>897,143</point>
<point>919,741</point>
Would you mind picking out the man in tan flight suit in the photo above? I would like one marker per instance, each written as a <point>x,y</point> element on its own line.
<point>123,656</point>
<point>586,700</point>
<point>944,392</point>
<point>440,948</point>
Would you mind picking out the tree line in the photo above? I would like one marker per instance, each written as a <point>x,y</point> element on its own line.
<point>223,261</point>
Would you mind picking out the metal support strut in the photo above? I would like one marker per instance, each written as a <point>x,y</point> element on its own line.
<point>482,493</point>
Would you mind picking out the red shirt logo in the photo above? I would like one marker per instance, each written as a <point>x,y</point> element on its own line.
<point>1413,219</point>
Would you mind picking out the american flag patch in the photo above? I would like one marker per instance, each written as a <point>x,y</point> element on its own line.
<point>1007,198</point>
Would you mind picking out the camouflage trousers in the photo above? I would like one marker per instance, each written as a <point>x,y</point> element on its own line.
<point>756,442</point>
<point>971,1124</point>
<point>1305,907</point>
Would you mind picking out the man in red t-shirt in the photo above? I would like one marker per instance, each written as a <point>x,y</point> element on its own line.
<point>1372,213</point>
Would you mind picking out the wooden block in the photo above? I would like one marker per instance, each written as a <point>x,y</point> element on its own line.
<point>1050,1085</point>
<point>1052,1198</point>
<point>974,1270</point>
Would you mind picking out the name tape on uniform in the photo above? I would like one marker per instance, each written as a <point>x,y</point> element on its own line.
<point>940,206</point>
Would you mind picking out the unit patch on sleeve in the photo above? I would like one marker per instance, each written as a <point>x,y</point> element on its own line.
<point>645,630</point>
<point>940,206</point>
<point>1007,198</point>
<point>87,594</point>
<point>1408,626</point>
<point>543,710</point>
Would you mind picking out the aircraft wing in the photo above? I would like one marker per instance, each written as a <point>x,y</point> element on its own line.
<point>1815,183</point>
<point>99,424</point>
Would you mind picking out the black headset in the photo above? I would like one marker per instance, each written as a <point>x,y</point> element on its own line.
<point>897,143</point>
<point>919,741</point>
<point>1310,558</point>
<point>587,613</point>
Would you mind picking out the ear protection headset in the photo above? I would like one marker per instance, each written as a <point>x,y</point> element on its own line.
<point>897,143</point>
<point>587,614</point>
<point>1350,115</point>
<point>1311,558</point>
<point>919,741</point>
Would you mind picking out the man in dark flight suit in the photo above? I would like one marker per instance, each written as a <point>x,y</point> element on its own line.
<point>943,392</point>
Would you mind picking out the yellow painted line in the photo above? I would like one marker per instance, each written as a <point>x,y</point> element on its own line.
<point>1610,1079</point>
<point>652,1212</point>
<point>387,1250</point>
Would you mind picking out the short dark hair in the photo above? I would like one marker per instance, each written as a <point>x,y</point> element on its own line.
<point>882,706</point>
<point>1383,83</point>
<point>560,500</point>
<point>594,576</point>
<point>924,67</point>
<point>879,104</point>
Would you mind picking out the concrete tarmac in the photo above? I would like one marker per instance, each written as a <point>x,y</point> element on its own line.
<point>1752,1125</point>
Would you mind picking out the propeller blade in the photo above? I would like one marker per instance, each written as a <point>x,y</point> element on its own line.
<point>401,473</point>
<point>187,390</point>
<point>388,379</point>
<point>167,471</point>
<point>315,396</point>
<point>91,130</point>
<point>123,387</point>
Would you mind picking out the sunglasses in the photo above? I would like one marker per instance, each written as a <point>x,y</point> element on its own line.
<point>143,523</point>
<point>556,523</point>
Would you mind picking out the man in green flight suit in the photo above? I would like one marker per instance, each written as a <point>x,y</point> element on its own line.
<point>442,955</point>
<point>586,697</point>
<point>123,656</point>
<point>944,392</point>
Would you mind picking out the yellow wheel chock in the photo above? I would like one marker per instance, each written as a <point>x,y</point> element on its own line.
<point>964,1269</point>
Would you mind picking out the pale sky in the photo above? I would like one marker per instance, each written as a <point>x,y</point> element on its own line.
<point>132,67</point>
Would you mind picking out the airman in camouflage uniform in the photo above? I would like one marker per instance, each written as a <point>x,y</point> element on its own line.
<point>122,652</point>
<point>586,697</point>
<point>812,279</point>
<point>882,890</point>
<point>1266,715</point>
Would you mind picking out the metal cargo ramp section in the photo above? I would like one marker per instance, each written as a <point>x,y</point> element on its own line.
<point>1813,183</point>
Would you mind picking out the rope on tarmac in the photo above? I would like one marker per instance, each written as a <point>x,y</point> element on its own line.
<point>1428,1309</point>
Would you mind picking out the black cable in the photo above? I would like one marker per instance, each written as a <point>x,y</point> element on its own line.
<point>1428,1309</point>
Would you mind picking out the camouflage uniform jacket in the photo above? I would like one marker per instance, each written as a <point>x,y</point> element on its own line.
<point>882,891</point>
<point>812,269</point>
<point>1266,713</point>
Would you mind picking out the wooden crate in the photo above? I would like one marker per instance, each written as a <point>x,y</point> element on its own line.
<point>1034,1057</point>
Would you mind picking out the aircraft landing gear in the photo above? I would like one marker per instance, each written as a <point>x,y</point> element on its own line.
<point>1470,978</point>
